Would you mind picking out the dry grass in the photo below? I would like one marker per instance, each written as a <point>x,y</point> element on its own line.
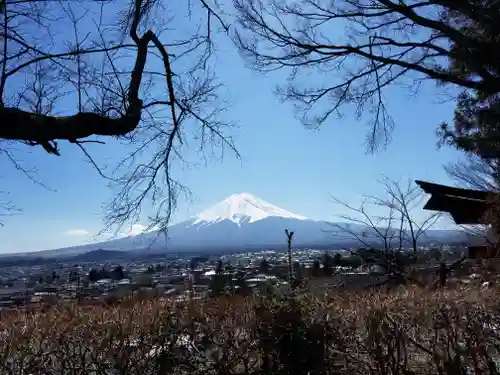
<point>413,331</point>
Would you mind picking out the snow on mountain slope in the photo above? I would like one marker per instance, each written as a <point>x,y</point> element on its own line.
<point>242,208</point>
<point>242,221</point>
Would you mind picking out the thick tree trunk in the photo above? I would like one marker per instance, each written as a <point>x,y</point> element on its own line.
<point>16,124</point>
<point>45,130</point>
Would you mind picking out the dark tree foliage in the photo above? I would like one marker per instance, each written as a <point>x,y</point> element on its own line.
<point>337,259</point>
<point>114,274</point>
<point>93,275</point>
<point>74,275</point>
<point>476,126</point>
<point>359,48</point>
<point>219,283</point>
<point>476,132</point>
<point>117,273</point>
<point>327,262</point>
<point>289,346</point>
<point>352,261</point>
<point>240,282</point>
<point>476,123</point>
<point>219,267</point>
<point>229,267</point>
<point>160,268</point>
<point>316,268</point>
<point>298,271</point>
<point>193,263</point>
<point>264,266</point>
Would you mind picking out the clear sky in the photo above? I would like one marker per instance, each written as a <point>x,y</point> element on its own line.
<point>281,162</point>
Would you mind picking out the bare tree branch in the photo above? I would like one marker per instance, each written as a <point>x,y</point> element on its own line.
<point>7,208</point>
<point>476,172</point>
<point>129,72</point>
<point>392,232</point>
<point>358,48</point>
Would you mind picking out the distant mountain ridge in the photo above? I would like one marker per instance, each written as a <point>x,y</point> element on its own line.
<point>243,221</point>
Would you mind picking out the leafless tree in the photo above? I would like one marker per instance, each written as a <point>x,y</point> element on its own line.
<point>390,220</point>
<point>476,173</point>
<point>388,223</point>
<point>358,48</point>
<point>92,71</point>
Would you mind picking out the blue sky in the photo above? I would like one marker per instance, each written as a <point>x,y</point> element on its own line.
<point>281,162</point>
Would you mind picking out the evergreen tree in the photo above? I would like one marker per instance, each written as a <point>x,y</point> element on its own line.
<point>218,282</point>
<point>316,269</point>
<point>327,264</point>
<point>219,267</point>
<point>264,266</point>
<point>117,273</point>
<point>93,275</point>
<point>73,276</point>
<point>337,260</point>
<point>475,128</point>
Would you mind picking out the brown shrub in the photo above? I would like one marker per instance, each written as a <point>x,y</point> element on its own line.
<point>413,331</point>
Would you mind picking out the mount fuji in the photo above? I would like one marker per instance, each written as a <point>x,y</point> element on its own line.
<point>243,222</point>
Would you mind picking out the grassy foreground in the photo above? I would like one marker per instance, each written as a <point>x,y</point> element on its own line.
<point>414,331</point>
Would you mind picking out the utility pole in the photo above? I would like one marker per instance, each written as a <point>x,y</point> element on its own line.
<point>289,236</point>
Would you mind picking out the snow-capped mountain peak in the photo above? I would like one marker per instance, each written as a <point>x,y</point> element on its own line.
<point>243,207</point>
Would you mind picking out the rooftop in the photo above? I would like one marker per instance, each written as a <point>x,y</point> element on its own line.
<point>466,206</point>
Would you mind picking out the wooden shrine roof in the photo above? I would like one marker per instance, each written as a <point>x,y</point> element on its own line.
<point>466,206</point>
